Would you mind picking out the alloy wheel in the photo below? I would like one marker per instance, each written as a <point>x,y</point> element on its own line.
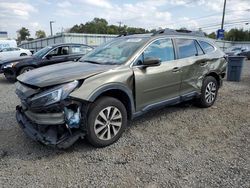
<point>108,123</point>
<point>210,92</point>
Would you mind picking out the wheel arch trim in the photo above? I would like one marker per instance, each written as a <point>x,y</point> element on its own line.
<point>108,87</point>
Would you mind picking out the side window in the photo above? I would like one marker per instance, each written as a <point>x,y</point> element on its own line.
<point>208,48</point>
<point>162,49</point>
<point>199,50</point>
<point>187,48</point>
<point>54,52</point>
<point>80,49</point>
<point>64,50</point>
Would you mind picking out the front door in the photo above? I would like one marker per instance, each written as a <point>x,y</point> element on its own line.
<point>57,55</point>
<point>154,85</point>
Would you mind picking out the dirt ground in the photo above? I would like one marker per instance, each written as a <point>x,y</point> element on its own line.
<point>179,146</point>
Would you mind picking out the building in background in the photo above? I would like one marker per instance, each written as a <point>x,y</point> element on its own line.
<point>3,35</point>
<point>82,38</point>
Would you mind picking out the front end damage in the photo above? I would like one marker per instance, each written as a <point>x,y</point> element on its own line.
<point>59,124</point>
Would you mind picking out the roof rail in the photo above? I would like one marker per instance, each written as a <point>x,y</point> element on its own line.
<point>126,34</point>
<point>168,31</point>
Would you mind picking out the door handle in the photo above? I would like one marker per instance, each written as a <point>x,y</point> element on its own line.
<point>176,69</point>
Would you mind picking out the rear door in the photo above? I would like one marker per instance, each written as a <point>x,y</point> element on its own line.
<point>154,85</point>
<point>193,64</point>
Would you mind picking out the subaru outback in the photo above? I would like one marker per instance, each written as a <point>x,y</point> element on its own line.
<point>118,81</point>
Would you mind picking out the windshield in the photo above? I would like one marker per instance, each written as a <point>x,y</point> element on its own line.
<point>42,52</point>
<point>117,51</point>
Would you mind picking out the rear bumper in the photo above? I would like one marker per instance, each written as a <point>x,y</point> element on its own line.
<point>50,136</point>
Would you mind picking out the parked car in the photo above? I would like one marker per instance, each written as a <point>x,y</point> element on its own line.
<point>7,53</point>
<point>239,50</point>
<point>245,52</point>
<point>47,56</point>
<point>116,82</point>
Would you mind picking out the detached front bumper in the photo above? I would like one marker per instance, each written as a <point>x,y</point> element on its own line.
<point>47,134</point>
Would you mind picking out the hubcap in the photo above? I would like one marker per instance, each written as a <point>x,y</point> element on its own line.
<point>108,123</point>
<point>210,92</point>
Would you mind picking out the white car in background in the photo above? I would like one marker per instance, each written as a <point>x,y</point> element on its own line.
<point>9,53</point>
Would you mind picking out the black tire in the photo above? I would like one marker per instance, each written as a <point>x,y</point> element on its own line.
<point>25,69</point>
<point>204,101</point>
<point>94,113</point>
<point>23,54</point>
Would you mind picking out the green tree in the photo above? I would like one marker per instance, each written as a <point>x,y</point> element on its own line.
<point>23,33</point>
<point>101,26</point>
<point>237,35</point>
<point>212,35</point>
<point>40,34</point>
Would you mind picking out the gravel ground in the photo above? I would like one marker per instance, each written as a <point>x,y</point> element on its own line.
<point>180,146</point>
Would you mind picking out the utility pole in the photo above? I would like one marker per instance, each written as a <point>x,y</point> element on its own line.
<point>120,24</point>
<point>223,15</point>
<point>51,31</point>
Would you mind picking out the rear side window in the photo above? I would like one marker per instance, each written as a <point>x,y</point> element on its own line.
<point>162,49</point>
<point>207,48</point>
<point>186,48</point>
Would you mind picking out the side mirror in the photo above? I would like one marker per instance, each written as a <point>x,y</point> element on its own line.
<point>151,62</point>
<point>48,56</point>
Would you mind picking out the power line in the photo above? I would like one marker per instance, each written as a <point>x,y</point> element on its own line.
<point>207,16</point>
<point>228,21</point>
<point>216,25</point>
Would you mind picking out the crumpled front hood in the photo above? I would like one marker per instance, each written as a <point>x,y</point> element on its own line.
<point>61,73</point>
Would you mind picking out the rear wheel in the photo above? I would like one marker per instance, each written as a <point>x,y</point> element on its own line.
<point>209,92</point>
<point>107,119</point>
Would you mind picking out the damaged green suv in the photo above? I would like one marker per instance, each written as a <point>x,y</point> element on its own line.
<point>116,82</point>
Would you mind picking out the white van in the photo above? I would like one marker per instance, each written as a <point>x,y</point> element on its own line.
<point>7,44</point>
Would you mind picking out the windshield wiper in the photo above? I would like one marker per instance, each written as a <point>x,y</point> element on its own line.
<point>89,61</point>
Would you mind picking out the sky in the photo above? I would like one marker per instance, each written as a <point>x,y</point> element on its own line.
<point>150,14</point>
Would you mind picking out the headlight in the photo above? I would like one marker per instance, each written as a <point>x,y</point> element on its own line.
<point>10,65</point>
<point>53,95</point>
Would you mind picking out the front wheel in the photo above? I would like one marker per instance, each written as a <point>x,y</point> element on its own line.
<point>209,92</point>
<point>25,69</point>
<point>23,54</point>
<point>107,119</point>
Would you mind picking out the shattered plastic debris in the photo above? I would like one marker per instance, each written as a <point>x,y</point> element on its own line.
<point>72,118</point>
